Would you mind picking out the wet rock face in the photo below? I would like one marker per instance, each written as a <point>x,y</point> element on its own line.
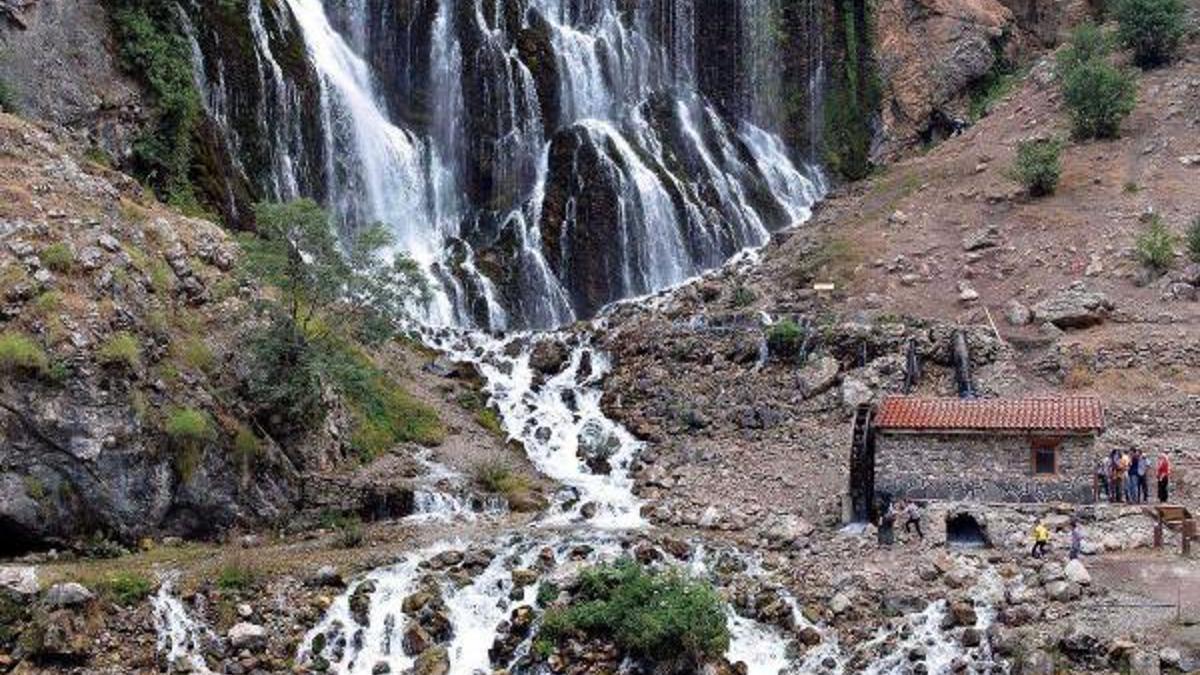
<point>396,39</point>
<point>579,217</point>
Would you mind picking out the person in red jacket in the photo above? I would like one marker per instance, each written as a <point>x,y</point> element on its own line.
<point>1163,472</point>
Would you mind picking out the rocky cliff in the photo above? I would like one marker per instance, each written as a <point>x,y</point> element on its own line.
<point>123,365</point>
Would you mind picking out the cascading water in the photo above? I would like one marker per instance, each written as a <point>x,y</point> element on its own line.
<point>541,158</point>
<point>181,638</point>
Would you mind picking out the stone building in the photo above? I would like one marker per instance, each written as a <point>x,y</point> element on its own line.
<point>987,450</point>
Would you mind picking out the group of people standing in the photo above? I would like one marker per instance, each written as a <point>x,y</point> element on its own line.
<point>1125,476</point>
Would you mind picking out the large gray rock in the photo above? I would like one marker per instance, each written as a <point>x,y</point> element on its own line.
<point>1077,573</point>
<point>21,580</point>
<point>1036,662</point>
<point>1144,663</point>
<point>817,376</point>
<point>249,636</point>
<point>1074,307</point>
<point>68,594</point>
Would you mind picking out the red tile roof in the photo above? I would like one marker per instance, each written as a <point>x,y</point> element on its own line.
<point>1069,414</point>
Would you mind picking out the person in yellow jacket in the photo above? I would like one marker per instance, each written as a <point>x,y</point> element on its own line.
<point>1041,539</point>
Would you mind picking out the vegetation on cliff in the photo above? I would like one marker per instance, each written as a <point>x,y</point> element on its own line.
<point>853,96</point>
<point>153,47</point>
<point>328,305</point>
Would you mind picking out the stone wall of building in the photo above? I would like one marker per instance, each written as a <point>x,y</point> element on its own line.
<point>982,468</point>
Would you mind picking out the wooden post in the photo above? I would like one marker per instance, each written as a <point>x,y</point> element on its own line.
<point>1158,533</point>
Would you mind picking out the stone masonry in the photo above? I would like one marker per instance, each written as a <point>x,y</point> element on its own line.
<point>981,467</point>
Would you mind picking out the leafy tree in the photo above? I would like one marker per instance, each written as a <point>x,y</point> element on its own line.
<point>329,296</point>
<point>1098,95</point>
<point>297,252</point>
<point>1153,29</point>
<point>1038,166</point>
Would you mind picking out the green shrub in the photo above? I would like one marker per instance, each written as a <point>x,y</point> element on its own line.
<point>490,419</point>
<point>8,98</point>
<point>350,533</point>
<point>1153,29</point>
<point>126,588</point>
<point>20,354</point>
<point>1098,96</point>
<point>160,277</point>
<point>236,577</point>
<point>58,257</point>
<point>1089,42</point>
<point>499,477</point>
<point>120,350</point>
<point>1038,166</point>
<point>195,354</point>
<point>743,296</point>
<point>154,48</point>
<point>1193,239</point>
<point>784,339</point>
<point>189,425</point>
<point>47,303</point>
<point>247,447</point>
<point>188,430</point>
<point>665,616</point>
<point>1155,246</point>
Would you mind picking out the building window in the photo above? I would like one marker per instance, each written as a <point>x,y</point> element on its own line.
<point>1045,457</point>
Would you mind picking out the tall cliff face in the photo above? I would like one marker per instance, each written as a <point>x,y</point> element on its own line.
<point>541,158</point>
<point>932,54</point>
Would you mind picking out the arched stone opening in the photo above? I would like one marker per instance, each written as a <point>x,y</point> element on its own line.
<point>963,530</point>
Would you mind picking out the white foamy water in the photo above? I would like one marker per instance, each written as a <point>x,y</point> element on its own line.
<point>553,418</point>
<point>180,638</point>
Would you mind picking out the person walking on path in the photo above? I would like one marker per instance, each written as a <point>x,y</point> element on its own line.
<point>1076,539</point>
<point>912,518</point>
<point>1041,539</point>
<point>1163,473</point>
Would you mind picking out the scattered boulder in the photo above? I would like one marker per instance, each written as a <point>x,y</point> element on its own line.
<point>548,357</point>
<point>1077,573</point>
<point>432,661</point>
<point>817,376</point>
<point>1142,662</point>
<point>328,576</point>
<point>21,580</point>
<point>67,595</point>
<point>1074,307</point>
<point>246,635</point>
<point>987,237</point>
<point>1017,313</point>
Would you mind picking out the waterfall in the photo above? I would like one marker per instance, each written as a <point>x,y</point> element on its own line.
<point>540,158</point>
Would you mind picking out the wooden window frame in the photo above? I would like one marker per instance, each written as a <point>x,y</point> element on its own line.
<point>1039,444</point>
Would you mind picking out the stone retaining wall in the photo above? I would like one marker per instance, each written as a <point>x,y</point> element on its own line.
<point>996,468</point>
